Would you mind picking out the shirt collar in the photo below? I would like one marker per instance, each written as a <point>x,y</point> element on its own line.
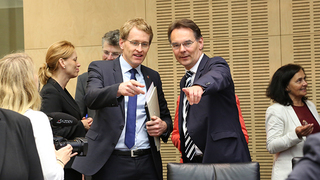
<point>195,67</point>
<point>125,66</point>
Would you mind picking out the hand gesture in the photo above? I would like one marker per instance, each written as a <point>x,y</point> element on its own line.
<point>304,130</point>
<point>193,94</point>
<point>130,88</point>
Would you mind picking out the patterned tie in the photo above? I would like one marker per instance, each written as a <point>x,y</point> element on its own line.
<point>189,144</point>
<point>131,116</point>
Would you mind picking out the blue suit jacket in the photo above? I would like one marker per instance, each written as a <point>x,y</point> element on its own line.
<point>103,82</point>
<point>213,124</point>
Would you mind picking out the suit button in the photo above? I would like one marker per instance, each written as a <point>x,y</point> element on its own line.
<point>121,127</point>
<point>208,83</point>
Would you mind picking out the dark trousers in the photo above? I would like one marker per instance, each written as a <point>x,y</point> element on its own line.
<point>125,168</point>
<point>71,174</point>
<point>197,159</point>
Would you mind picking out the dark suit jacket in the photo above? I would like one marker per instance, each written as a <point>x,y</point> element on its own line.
<point>80,93</point>
<point>55,99</point>
<point>104,80</point>
<point>213,124</point>
<point>18,154</point>
<point>308,168</point>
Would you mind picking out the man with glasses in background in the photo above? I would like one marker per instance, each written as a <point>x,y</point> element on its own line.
<point>209,126</point>
<point>121,140</point>
<point>110,51</point>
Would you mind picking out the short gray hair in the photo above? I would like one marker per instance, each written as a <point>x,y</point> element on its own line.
<point>111,37</point>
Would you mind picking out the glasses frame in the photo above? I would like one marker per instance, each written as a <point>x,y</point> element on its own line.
<point>137,44</point>
<point>112,53</point>
<point>184,44</point>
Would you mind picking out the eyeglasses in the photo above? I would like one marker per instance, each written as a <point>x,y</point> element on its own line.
<point>144,45</point>
<point>113,54</point>
<point>185,44</point>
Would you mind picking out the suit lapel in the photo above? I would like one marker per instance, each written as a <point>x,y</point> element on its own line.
<point>293,115</point>
<point>146,77</point>
<point>117,75</point>
<point>201,67</point>
<point>314,113</point>
<point>3,144</point>
<point>65,95</point>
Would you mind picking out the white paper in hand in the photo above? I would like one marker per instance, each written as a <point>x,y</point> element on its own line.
<point>152,108</point>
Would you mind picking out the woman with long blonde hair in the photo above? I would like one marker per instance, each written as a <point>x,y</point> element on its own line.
<point>19,92</point>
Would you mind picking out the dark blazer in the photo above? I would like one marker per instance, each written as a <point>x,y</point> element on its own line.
<point>55,99</point>
<point>104,80</point>
<point>18,153</point>
<point>80,93</point>
<point>308,167</point>
<point>213,124</point>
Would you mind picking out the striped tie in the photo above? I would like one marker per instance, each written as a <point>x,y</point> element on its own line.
<point>189,144</point>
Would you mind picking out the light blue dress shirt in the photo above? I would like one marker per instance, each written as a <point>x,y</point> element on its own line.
<point>141,138</point>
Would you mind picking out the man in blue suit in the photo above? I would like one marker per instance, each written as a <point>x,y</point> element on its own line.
<point>121,141</point>
<point>209,126</point>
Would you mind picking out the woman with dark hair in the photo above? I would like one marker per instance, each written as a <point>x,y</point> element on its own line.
<point>290,119</point>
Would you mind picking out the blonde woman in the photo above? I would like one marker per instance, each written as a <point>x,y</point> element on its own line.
<point>18,92</point>
<point>61,65</point>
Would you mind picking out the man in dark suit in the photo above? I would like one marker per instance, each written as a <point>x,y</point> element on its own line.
<point>209,126</point>
<point>110,51</point>
<point>308,167</point>
<point>18,153</point>
<point>119,101</point>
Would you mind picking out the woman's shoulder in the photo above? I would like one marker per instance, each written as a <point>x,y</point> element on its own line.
<point>276,107</point>
<point>48,89</point>
<point>39,120</point>
<point>35,115</point>
<point>51,85</point>
<point>310,103</point>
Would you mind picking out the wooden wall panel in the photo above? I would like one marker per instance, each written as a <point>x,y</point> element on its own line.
<point>300,39</point>
<point>83,23</point>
